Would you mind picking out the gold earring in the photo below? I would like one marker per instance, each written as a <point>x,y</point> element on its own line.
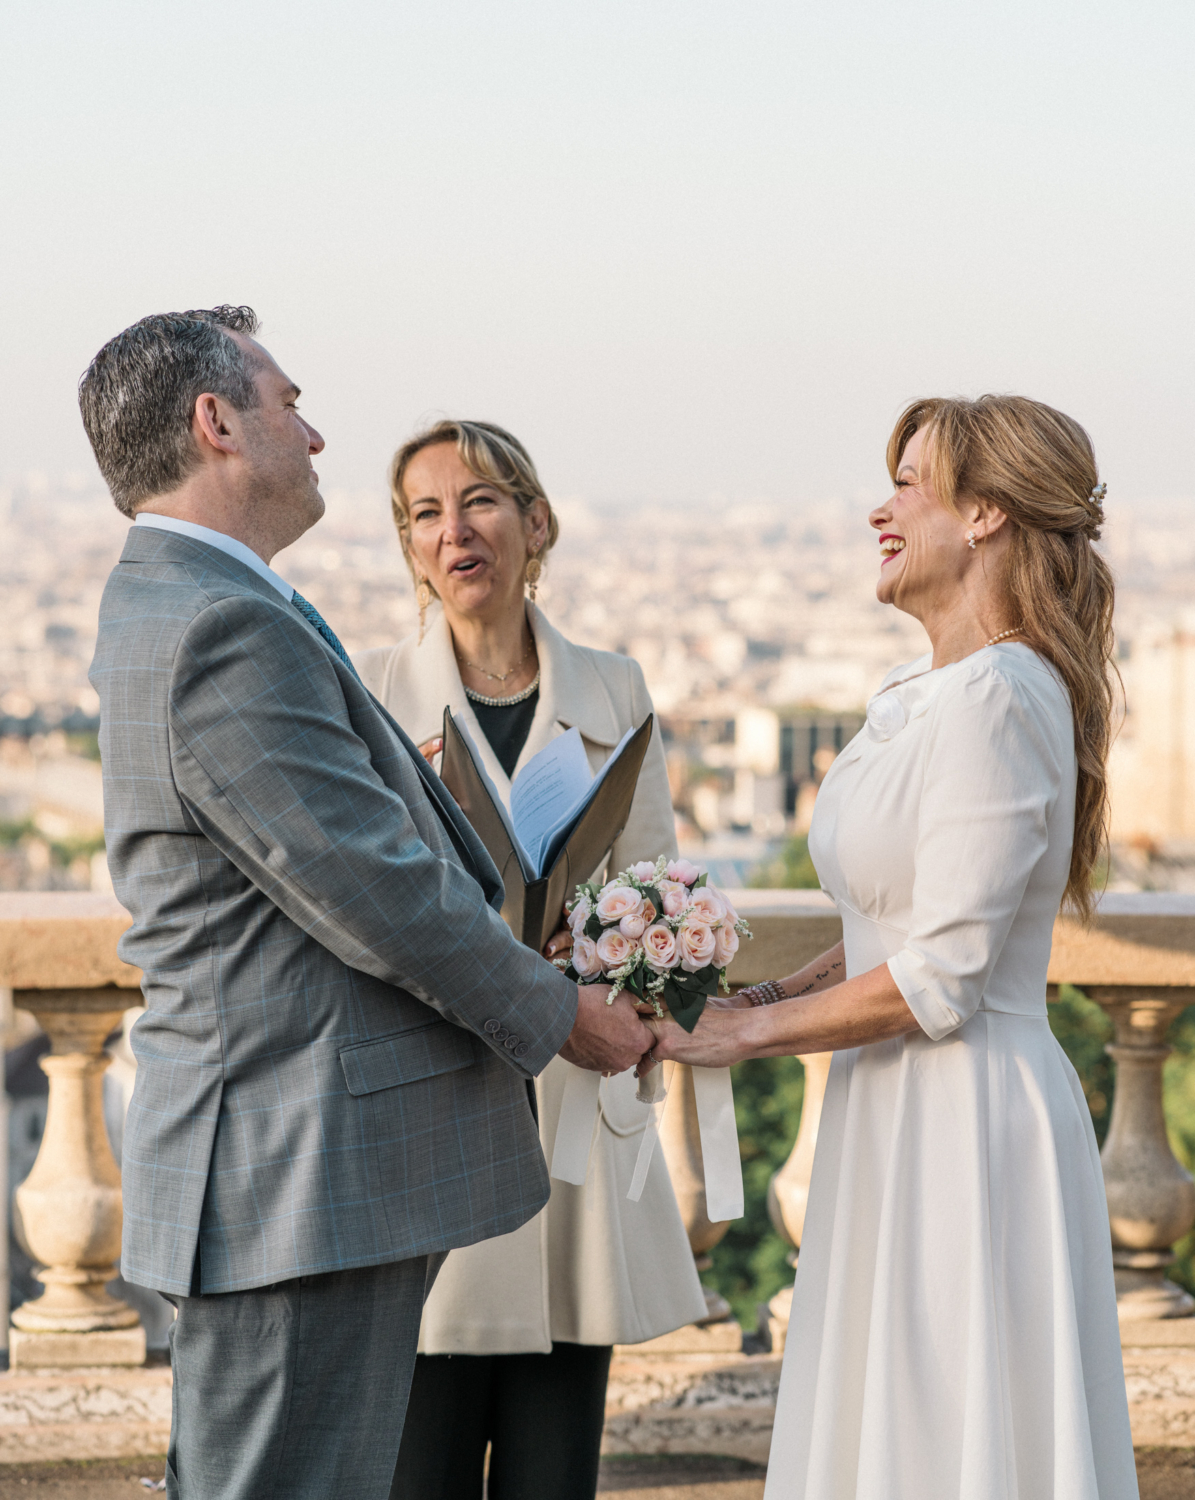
<point>534,569</point>
<point>423,597</point>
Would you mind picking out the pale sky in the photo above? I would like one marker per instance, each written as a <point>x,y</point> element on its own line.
<point>682,249</point>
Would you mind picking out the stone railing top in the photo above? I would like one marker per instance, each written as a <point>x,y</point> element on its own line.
<point>62,940</point>
<point>67,939</point>
<point>1140,938</point>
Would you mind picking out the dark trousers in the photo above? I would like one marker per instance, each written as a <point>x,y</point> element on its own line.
<point>541,1413</point>
<point>295,1391</point>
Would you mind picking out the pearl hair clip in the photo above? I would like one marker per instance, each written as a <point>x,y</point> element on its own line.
<point>1097,494</point>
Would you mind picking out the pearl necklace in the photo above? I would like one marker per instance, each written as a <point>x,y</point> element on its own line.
<point>508,702</point>
<point>1003,636</point>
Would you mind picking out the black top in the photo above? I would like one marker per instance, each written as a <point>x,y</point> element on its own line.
<point>506,726</point>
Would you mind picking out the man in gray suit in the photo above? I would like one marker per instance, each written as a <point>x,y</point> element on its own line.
<point>333,1083</point>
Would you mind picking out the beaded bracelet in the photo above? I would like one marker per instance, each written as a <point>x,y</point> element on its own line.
<point>766,993</point>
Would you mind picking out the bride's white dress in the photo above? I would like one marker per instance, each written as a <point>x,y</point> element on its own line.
<point>954,1332</point>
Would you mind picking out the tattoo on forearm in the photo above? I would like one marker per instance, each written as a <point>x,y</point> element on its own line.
<point>817,979</point>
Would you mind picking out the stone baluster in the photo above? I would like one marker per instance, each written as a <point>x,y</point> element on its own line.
<point>67,1212</point>
<point>788,1191</point>
<point>1151,1197</point>
<point>680,1140</point>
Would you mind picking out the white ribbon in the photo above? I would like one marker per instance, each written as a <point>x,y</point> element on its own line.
<point>653,1093</point>
<point>719,1144</point>
<point>712,1090</point>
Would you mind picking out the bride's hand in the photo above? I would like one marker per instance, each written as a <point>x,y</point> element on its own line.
<point>717,1041</point>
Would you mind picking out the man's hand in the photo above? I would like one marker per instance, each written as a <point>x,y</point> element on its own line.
<point>605,1038</point>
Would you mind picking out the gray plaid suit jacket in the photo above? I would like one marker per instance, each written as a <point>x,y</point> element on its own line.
<point>332,1070</point>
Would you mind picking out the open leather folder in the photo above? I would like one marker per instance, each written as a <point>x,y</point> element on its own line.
<point>534,902</point>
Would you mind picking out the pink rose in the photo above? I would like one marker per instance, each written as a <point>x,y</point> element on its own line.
<point>613,949</point>
<point>695,941</point>
<point>635,925</point>
<point>674,895</point>
<point>644,870</point>
<point>732,916</point>
<point>726,945</point>
<point>708,905</point>
<point>622,901</point>
<point>579,915</point>
<point>585,959</point>
<point>659,948</point>
<point>683,870</point>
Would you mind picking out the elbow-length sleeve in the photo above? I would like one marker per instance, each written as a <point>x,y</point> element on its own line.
<point>993,770</point>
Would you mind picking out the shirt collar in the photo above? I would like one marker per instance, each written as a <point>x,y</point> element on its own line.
<point>225,543</point>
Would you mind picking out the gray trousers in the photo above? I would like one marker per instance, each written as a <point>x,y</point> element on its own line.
<point>295,1391</point>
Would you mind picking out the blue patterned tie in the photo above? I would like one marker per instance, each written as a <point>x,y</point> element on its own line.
<point>310,613</point>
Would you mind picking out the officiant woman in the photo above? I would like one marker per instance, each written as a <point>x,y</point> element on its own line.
<point>517,1332</point>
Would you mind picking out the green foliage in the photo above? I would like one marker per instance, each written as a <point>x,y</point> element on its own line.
<point>1083,1030</point>
<point>792,869</point>
<point>750,1263</point>
<point>87,744</point>
<point>62,851</point>
<point>66,851</point>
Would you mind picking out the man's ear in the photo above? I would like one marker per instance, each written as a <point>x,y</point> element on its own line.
<point>212,424</point>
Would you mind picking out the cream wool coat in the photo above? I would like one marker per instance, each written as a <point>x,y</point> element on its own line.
<point>592,1267</point>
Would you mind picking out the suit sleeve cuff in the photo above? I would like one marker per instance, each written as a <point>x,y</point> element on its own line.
<point>530,1053</point>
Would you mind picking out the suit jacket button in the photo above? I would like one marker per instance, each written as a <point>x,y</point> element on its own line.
<point>511,1043</point>
<point>501,1034</point>
<point>522,1050</point>
<point>492,1026</point>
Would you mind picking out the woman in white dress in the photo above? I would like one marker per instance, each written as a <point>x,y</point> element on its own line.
<point>954,1331</point>
<point>517,1332</point>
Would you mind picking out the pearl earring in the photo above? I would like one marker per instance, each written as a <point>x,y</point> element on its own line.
<point>971,540</point>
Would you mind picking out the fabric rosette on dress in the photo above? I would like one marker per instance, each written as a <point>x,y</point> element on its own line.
<point>665,935</point>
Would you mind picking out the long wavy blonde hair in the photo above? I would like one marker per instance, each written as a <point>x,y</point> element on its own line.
<point>1038,466</point>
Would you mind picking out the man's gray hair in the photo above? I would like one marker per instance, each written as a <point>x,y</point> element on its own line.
<point>138,396</point>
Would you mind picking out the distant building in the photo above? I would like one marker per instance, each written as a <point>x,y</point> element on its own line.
<point>1152,766</point>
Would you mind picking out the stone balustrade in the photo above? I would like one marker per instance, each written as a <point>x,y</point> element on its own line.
<point>58,956</point>
<point>1136,959</point>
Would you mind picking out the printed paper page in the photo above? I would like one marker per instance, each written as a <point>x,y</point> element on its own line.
<point>559,836</point>
<point>547,791</point>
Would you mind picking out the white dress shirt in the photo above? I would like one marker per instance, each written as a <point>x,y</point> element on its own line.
<point>225,543</point>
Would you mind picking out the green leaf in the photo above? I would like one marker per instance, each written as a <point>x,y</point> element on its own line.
<point>652,894</point>
<point>700,881</point>
<point>594,928</point>
<point>688,1015</point>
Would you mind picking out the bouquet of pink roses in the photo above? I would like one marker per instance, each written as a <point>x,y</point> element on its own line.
<point>660,931</point>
